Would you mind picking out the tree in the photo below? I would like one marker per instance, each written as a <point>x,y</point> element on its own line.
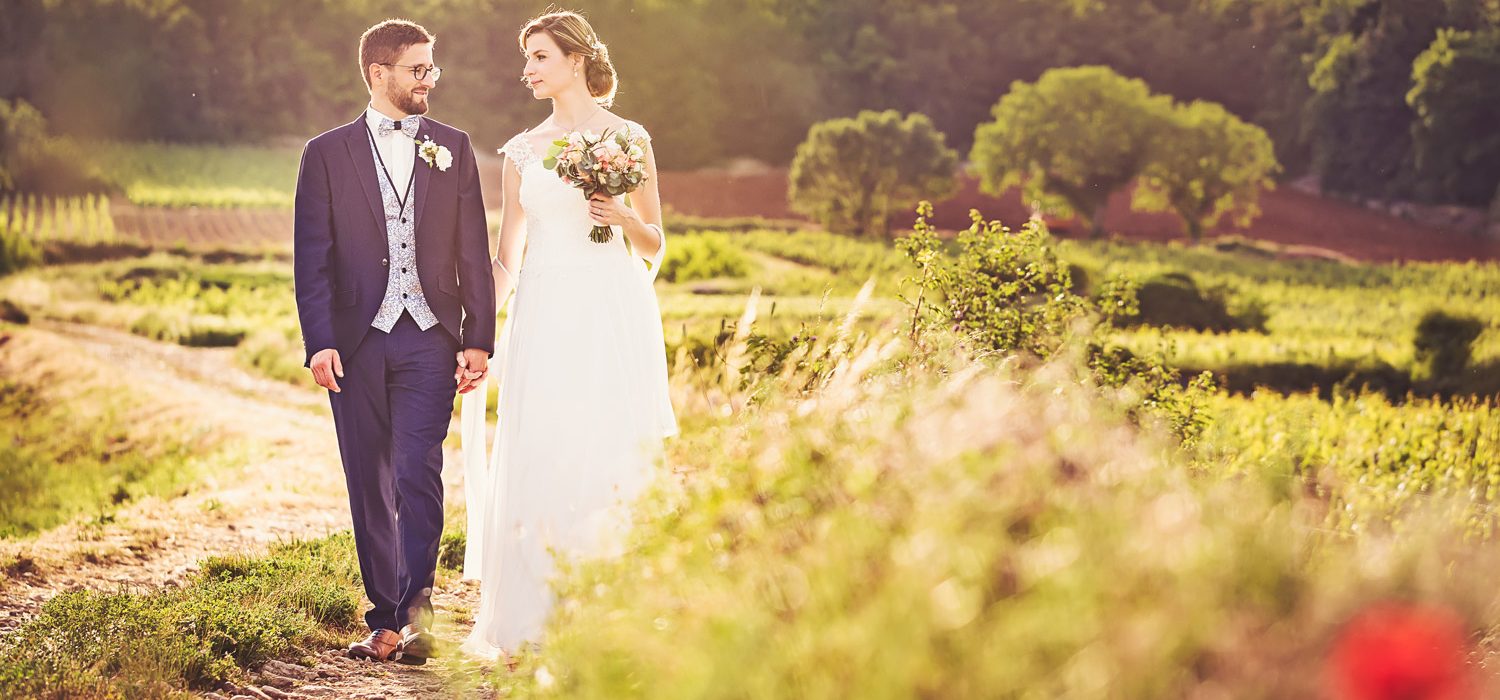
<point>31,160</point>
<point>1357,118</point>
<point>851,174</point>
<point>1205,164</point>
<point>1455,135</point>
<point>1071,139</point>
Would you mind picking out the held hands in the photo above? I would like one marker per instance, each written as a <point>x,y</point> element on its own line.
<point>609,211</point>
<point>326,368</point>
<point>473,366</point>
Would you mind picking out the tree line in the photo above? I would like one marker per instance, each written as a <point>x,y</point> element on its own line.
<point>1377,98</point>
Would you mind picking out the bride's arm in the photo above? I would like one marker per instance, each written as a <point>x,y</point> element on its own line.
<point>507,259</point>
<point>644,229</point>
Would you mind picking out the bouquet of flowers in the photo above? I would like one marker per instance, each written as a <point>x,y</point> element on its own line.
<point>613,163</point>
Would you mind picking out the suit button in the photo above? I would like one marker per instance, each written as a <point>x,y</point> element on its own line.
<point>384,262</point>
<point>403,296</point>
<point>403,270</point>
<point>403,245</point>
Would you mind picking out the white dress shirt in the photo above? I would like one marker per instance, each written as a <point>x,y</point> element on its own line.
<point>399,152</point>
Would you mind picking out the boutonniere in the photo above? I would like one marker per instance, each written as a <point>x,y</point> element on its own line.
<point>434,154</point>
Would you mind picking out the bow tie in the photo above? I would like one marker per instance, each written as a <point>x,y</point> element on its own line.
<point>406,126</point>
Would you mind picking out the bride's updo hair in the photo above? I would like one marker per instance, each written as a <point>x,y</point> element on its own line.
<point>574,35</point>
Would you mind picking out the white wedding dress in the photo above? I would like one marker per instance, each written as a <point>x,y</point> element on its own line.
<point>583,409</point>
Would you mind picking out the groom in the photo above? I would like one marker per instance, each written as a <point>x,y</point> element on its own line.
<point>393,281</point>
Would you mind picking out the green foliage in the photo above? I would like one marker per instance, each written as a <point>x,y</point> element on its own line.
<point>31,160</point>
<point>1205,165</point>
<point>33,229</point>
<point>1322,319</point>
<point>212,306</point>
<point>1444,343</point>
<point>239,611</point>
<point>451,549</point>
<point>182,175</point>
<point>1359,119</point>
<point>1007,291</point>
<point>1457,146</point>
<point>702,256</point>
<point>17,251</point>
<point>1070,139</point>
<point>1326,78</point>
<point>920,533</point>
<point>852,174</point>
<point>1174,300</point>
<point>1367,457</point>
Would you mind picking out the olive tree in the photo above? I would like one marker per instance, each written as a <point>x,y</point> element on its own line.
<point>851,174</point>
<point>1069,140</point>
<point>1207,164</point>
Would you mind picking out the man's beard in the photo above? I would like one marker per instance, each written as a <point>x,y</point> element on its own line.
<point>404,101</point>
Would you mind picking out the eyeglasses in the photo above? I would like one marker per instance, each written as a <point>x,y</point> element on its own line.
<point>420,72</point>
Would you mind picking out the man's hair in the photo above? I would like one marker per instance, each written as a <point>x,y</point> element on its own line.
<point>386,41</point>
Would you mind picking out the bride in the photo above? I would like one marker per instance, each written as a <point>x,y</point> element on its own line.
<point>582,363</point>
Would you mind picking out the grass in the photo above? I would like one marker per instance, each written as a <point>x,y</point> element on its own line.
<point>176,175</point>
<point>236,612</point>
<point>72,444</point>
<point>863,517</point>
<point>941,527</point>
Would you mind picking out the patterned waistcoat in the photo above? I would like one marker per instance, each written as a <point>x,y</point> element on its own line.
<point>402,289</point>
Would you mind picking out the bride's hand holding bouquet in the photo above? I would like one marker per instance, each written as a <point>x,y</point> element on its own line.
<point>604,167</point>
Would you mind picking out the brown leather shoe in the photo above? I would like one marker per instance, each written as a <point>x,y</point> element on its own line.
<point>417,645</point>
<point>381,645</point>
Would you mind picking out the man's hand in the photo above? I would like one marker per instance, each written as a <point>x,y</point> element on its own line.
<point>473,364</point>
<point>326,367</point>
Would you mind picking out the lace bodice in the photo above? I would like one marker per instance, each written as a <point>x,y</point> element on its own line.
<point>557,219</point>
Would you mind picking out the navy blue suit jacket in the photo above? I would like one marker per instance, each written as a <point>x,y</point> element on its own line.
<point>340,252</point>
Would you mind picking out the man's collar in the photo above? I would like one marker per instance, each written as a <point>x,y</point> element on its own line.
<point>374,116</point>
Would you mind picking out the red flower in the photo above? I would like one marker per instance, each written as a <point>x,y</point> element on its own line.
<point>1400,651</point>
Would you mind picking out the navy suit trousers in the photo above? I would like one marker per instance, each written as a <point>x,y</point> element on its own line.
<point>391,418</point>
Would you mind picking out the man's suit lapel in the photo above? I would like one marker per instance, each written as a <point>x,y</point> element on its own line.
<point>358,142</point>
<point>422,172</point>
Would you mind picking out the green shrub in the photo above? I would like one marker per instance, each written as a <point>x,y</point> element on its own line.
<point>1006,291</point>
<point>1174,300</point>
<point>183,329</point>
<point>237,612</point>
<point>1444,343</point>
<point>702,256</point>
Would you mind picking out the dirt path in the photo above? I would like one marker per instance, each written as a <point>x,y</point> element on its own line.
<point>289,485</point>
